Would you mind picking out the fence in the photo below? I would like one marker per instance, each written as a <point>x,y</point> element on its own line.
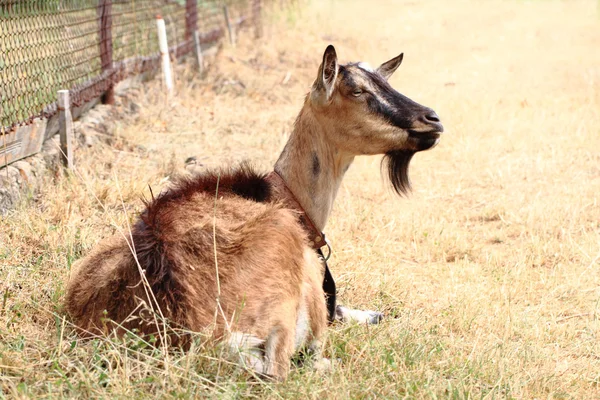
<point>87,46</point>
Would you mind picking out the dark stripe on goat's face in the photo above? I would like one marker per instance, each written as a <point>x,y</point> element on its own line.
<point>391,105</point>
<point>346,77</point>
<point>376,89</point>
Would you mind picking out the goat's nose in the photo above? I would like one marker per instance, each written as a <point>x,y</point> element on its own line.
<point>431,116</point>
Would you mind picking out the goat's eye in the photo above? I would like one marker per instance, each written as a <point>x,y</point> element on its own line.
<point>357,92</point>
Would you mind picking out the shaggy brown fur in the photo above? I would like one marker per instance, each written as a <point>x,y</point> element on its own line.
<point>261,249</point>
<point>221,251</point>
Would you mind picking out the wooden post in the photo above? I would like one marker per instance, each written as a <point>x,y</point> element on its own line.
<point>65,123</point>
<point>106,48</point>
<point>164,51</point>
<point>191,18</point>
<point>257,20</point>
<point>229,27</point>
<point>191,30</point>
<point>198,50</point>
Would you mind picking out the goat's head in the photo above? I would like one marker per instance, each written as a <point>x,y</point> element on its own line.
<point>363,114</point>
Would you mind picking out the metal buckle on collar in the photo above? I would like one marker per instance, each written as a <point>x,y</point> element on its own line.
<point>328,248</point>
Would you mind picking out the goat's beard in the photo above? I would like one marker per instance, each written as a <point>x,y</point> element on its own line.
<point>396,162</point>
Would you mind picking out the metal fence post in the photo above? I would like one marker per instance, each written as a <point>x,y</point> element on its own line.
<point>191,18</point>
<point>106,48</point>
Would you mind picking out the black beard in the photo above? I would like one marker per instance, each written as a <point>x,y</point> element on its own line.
<point>397,162</point>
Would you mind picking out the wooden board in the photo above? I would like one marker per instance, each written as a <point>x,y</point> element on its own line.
<point>22,142</point>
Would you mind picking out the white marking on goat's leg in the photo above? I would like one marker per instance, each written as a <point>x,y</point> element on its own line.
<point>315,360</point>
<point>278,352</point>
<point>319,363</point>
<point>302,323</point>
<point>247,350</point>
<point>270,349</point>
<point>345,314</point>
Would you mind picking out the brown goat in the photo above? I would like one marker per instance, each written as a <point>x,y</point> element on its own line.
<point>224,250</point>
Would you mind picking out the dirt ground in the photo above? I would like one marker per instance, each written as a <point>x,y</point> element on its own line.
<point>488,273</point>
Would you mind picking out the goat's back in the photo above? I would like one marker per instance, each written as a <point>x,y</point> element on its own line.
<point>180,242</point>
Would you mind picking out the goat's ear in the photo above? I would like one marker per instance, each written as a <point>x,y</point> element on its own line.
<point>328,71</point>
<point>389,67</point>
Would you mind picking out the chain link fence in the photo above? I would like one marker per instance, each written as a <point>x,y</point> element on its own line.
<point>86,46</point>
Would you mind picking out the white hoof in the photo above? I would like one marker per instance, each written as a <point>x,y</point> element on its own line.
<point>345,314</point>
<point>322,366</point>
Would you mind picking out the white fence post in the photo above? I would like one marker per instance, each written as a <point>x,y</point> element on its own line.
<point>164,51</point>
<point>198,51</point>
<point>65,123</point>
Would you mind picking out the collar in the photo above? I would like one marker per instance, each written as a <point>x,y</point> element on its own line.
<point>316,238</point>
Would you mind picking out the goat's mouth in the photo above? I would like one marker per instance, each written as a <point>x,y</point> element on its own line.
<point>424,140</point>
<point>396,162</point>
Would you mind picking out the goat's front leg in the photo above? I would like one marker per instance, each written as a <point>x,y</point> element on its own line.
<point>340,313</point>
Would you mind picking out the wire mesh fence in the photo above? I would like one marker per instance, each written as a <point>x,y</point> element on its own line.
<point>86,46</point>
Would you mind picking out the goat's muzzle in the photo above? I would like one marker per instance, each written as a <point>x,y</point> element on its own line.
<point>427,132</point>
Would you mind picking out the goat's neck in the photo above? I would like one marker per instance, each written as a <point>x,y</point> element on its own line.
<point>312,167</point>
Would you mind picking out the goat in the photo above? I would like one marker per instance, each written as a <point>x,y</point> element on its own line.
<point>233,250</point>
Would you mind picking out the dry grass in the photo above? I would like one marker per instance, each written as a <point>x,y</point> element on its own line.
<point>488,273</point>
